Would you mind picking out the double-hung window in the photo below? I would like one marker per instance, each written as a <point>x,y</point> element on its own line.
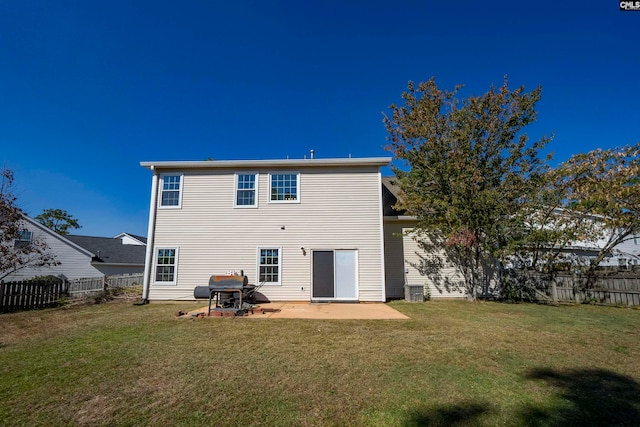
<point>166,263</point>
<point>23,238</point>
<point>171,190</point>
<point>269,262</point>
<point>284,187</point>
<point>246,190</point>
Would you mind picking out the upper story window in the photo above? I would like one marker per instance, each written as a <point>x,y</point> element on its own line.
<point>23,238</point>
<point>246,190</point>
<point>170,191</point>
<point>284,187</point>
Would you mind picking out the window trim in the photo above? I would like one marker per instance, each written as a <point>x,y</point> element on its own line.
<point>279,249</point>
<point>236,189</point>
<point>162,190</point>
<point>297,174</point>
<point>175,266</point>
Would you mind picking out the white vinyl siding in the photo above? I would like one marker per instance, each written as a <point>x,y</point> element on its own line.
<point>214,237</point>
<point>439,275</point>
<point>171,191</point>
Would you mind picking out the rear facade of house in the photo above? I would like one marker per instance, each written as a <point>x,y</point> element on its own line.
<point>309,229</point>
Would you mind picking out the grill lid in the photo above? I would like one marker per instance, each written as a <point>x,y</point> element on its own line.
<point>226,282</point>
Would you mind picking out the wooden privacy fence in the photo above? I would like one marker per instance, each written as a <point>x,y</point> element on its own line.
<point>86,285</point>
<point>90,285</point>
<point>124,280</point>
<point>610,288</point>
<point>30,294</point>
<point>46,292</point>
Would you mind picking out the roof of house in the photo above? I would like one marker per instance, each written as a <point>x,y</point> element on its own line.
<point>141,239</point>
<point>110,250</point>
<point>55,235</point>
<point>298,163</point>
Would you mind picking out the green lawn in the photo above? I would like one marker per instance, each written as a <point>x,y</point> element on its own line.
<point>452,363</point>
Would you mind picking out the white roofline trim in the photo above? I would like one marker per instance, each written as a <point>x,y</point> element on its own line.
<point>215,164</point>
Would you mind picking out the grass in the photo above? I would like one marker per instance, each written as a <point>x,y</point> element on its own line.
<point>452,363</point>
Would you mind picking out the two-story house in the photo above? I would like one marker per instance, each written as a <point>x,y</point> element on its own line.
<point>309,229</point>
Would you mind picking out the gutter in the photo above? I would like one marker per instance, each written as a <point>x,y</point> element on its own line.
<point>216,164</point>
<point>150,237</point>
<point>381,230</point>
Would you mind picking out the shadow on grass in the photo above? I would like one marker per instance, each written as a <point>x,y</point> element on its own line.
<point>584,397</point>
<point>594,397</point>
<point>463,414</point>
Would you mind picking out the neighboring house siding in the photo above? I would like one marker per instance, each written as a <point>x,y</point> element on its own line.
<point>73,263</point>
<point>339,208</point>
<point>627,252</point>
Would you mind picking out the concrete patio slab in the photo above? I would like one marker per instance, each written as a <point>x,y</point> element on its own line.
<point>306,310</point>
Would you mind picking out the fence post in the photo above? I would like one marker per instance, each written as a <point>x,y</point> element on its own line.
<point>554,290</point>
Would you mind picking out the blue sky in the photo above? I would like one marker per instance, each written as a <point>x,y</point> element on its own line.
<point>89,89</point>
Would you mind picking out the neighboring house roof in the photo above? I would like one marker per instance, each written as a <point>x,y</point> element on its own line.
<point>52,233</point>
<point>141,239</point>
<point>110,250</point>
<point>211,164</point>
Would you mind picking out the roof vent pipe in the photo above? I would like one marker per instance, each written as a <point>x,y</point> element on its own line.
<point>313,152</point>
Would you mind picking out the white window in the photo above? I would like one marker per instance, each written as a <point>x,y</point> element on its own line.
<point>284,187</point>
<point>23,238</point>
<point>170,191</point>
<point>166,263</point>
<point>269,263</point>
<point>246,190</point>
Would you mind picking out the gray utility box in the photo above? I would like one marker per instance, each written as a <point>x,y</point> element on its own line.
<point>414,293</point>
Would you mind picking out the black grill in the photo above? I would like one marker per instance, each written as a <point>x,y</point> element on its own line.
<point>227,291</point>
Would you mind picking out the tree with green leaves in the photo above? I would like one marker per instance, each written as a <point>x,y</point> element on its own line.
<point>467,171</point>
<point>17,252</point>
<point>58,220</point>
<point>603,187</point>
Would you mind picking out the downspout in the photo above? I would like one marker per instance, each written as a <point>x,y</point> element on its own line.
<point>382,252</point>
<point>150,237</point>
